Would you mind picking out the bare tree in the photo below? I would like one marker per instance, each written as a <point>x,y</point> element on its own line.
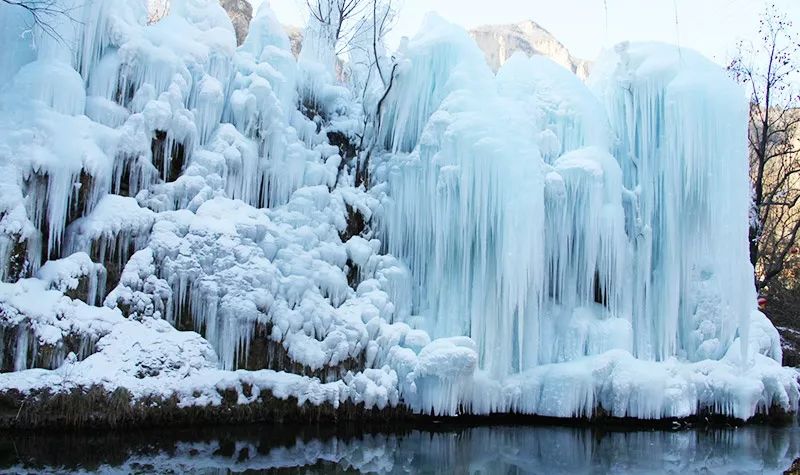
<point>45,14</point>
<point>345,20</point>
<point>340,17</point>
<point>769,69</point>
<point>366,51</point>
<point>369,38</point>
<point>357,29</point>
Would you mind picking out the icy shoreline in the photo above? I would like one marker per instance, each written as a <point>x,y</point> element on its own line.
<point>42,398</point>
<point>84,409</point>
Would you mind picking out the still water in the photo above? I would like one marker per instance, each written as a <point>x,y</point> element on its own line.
<point>484,450</point>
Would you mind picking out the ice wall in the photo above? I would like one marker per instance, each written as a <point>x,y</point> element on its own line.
<point>476,187</point>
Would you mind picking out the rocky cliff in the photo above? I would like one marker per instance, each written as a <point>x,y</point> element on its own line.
<point>499,42</point>
<point>241,12</point>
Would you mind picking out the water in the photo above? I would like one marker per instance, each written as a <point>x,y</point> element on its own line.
<point>435,449</point>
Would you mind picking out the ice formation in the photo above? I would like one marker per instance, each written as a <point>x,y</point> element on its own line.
<point>179,216</point>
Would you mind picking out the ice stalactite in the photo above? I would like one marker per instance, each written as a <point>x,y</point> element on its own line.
<point>17,258</point>
<point>41,325</point>
<point>60,187</point>
<point>587,256</point>
<point>111,233</point>
<point>54,84</point>
<point>481,182</point>
<point>140,294</point>
<point>268,43</point>
<point>681,126</point>
<point>586,242</point>
<point>240,276</point>
<point>528,248</point>
<point>446,60</point>
<point>77,277</point>
<point>24,349</point>
<point>20,251</point>
<point>272,150</point>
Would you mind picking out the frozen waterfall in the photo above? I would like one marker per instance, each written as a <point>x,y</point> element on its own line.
<point>633,238</point>
<point>182,217</point>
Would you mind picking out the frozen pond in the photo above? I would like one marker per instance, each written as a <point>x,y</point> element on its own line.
<point>435,449</point>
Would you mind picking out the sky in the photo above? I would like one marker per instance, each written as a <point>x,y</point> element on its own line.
<point>712,27</point>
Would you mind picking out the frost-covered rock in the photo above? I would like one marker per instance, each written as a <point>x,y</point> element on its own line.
<point>40,326</point>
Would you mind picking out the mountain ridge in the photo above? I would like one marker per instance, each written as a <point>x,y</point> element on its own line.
<point>499,42</point>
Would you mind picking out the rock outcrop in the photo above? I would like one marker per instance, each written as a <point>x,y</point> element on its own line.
<point>295,34</point>
<point>241,12</point>
<point>499,42</point>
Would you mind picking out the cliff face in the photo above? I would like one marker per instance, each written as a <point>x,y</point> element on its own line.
<point>241,12</point>
<point>499,42</point>
<point>295,34</point>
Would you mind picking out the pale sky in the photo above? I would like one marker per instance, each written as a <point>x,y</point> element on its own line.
<point>710,26</point>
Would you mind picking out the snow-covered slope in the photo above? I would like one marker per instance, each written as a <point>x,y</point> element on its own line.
<point>500,42</point>
<point>180,219</point>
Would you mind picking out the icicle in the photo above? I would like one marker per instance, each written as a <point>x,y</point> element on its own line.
<point>462,201</point>
<point>22,348</point>
<point>680,121</point>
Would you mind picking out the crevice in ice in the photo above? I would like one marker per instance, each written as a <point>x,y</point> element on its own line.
<point>356,224</point>
<point>17,263</point>
<point>348,150</point>
<point>168,156</point>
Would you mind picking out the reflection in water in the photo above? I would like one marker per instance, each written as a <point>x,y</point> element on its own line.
<point>504,449</point>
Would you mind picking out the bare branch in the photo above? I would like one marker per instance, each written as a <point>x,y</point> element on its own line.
<point>46,14</point>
